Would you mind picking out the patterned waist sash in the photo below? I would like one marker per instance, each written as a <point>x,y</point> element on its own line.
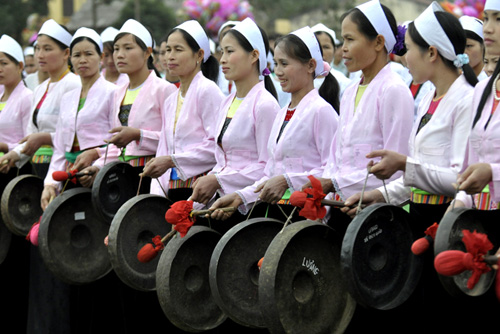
<point>43,155</point>
<point>179,183</point>
<point>134,160</point>
<point>423,197</point>
<point>483,201</point>
<point>286,197</point>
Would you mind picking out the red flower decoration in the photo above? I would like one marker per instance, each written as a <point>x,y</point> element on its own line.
<point>179,215</point>
<point>310,200</point>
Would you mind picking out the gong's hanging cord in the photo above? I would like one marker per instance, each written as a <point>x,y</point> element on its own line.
<point>368,171</point>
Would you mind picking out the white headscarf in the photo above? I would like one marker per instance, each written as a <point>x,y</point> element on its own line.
<point>249,29</point>
<point>375,14</point>
<point>196,31</point>
<point>431,31</point>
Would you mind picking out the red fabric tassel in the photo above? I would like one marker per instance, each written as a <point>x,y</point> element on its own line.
<point>310,200</point>
<point>72,177</point>
<point>454,262</point>
<point>149,252</point>
<point>422,244</point>
<point>179,215</point>
<point>298,199</point>
<point>63,176</point>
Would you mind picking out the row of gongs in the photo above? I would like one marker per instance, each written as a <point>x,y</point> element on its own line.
<point>310,280</point>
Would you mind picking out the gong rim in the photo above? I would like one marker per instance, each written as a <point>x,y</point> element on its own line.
<point>114,184</point>
<point>71,238</point>
<point>377,262</point>
<point>234,273</point>
<point>182,283</point>
<point>301,290</point>
<point>21,203</point>
<point>128,234</point>
<point>449,237</point>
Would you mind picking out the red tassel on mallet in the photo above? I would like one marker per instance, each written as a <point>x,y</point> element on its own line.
<point>422,244</point>
<point>148,252</point>
<point>182,216</point>
<point>454,262</point>
<point>310,200</point>
<point>63,176</point>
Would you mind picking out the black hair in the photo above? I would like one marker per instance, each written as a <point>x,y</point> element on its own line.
<point>245,44</point>
<point>107,46</point>
<point>456,35</point>
<point>275,35</point>
<point>367,29</point>
<point>210,67</point>
<point>317,33</point>
<point>12,59</point>
<point>472,35</point>
<point>225,31</point>
<point>297,49</point>
<point>83,38</point>
<point>165,38</point>
<point>142,45</point>
<point>486,94</point>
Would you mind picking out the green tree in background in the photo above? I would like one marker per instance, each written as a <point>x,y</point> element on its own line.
<point>157,17</point>
<point>16,13</point>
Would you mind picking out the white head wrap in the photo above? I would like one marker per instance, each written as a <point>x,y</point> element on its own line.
<point>431,31</point>
<point>54,30</point>
<point>307,36</point>
<point>89,33</point>
<point>135,28</point>
<point>11,47</point>
<point>29,51</point>
<point>213,46</point>
<point>472,24</point>
<point>492,5</point>
<point>320,27</point>
<point>225,24</point>
<point>249,29</point>
<point>375,14</point>
<point>196,31</point>
<point>109,34</point>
